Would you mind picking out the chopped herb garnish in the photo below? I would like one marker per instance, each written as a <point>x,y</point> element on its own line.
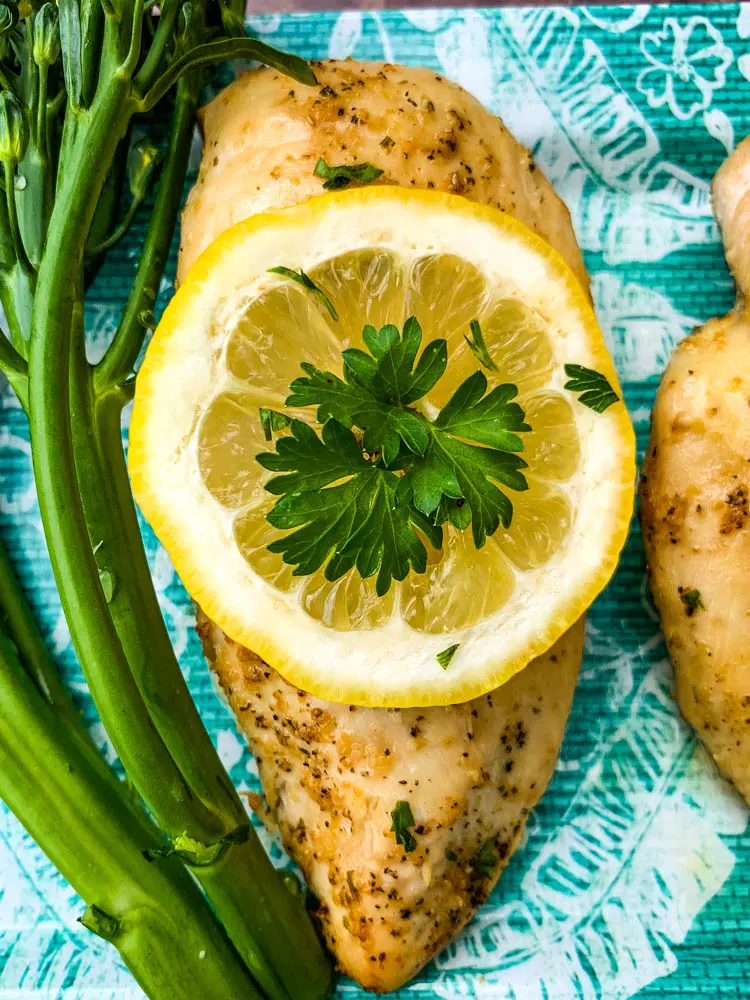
<point>451,855</point>
<point>308,284</point>
<point>445,656</point>
<point>478,347</point>
<point>402,820</point>
<point>692,600</point>
<point>485,859</point>
<point>336,178</point>
<point>386,142</point>
<point>272,420</point>
<point>368,504</point>
<point>352,887</point>
<point>596,392</point>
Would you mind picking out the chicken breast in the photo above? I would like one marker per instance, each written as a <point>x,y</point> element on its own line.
<point>401,820</point>
<point>695,502</point>
<point>335,776</point>
<point>264,135</point>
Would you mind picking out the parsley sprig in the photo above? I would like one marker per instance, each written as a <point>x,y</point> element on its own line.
<point>381,476</point>
<point>402,821</point>
<point>337,177</point>
<point>306,282</point>
<point>595,390</point>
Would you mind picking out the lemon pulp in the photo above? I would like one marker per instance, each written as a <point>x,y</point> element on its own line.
<point>261,348</point>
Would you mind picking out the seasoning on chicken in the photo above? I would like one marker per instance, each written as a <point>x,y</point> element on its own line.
<point>695,503</point>
<point>401,819</point>
<point>457,783</point>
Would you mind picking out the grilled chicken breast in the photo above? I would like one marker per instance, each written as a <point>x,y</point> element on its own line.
<point>695,503</point>
<point>337,778</point>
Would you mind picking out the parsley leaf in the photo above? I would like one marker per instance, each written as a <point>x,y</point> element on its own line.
<point>692,600</point>
<point>353,523</point>
<point>445,656</point>
<point>336,178</point>
<point>272,420</point>
<point>596,392</point>
<point>308,284</point>
<point>478,347</point>
<point>452,469</point>
<point>402,819</point>
<point>484,860</point>
<point>369,504</point>
<point>377,388</point>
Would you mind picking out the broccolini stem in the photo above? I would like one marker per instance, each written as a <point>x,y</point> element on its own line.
<point>17,623</point>
<point>15,369</point>
<point>63,792</point>
<point>123,352</point>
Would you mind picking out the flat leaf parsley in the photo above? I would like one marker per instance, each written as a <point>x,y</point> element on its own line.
<point>595,390</point>
<point>381,476</point>
<point>336,178</point>
<point>308,284</point>
<point>402,819</point>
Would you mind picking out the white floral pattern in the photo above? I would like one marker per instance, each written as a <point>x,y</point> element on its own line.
<point>688,64</point>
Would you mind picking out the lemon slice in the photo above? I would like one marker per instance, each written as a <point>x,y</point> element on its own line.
<point>232,340</point>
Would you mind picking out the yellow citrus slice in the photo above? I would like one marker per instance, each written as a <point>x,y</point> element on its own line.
<point>233,339</point>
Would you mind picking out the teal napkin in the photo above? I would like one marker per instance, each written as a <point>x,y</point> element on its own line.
<point>633,878</point>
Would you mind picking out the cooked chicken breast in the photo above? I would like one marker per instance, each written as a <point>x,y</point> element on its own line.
<point>695,502</point>
<point>337,778</point>
<point>333,776</point>
<point>264,135</point>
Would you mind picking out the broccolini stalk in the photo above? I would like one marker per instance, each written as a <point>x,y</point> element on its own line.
<point>91,828</point>
<point>86,507</point>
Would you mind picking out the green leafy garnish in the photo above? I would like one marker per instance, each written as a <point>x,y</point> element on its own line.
<point>272,420</point>
<point>478,347</point>
<point>368,504</point>
<point>308,284</point>
<point>485,859</point>
<point>596,392</point>
<point>356,522</point>
<point>692,600</point>
<point>451,855</point>
<point>445,656</point>
<point>402,819</point>
<point>336,178</point>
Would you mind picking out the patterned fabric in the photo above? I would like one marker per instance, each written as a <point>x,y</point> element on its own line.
<point>630,881</point>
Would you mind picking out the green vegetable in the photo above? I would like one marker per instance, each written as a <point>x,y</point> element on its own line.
<point>402,820</point>
<point>336,178</point>
<point>478,347</point>
<point>409,476</point>
<point>596,392</point>
<point>445,656</point>
<point>309,285</point>
<point>59,185</point>
<point>692,600</point>
<point>46,48</point>
<point>59,786</point>
<point>485,859</point>
<point>271,421</point>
